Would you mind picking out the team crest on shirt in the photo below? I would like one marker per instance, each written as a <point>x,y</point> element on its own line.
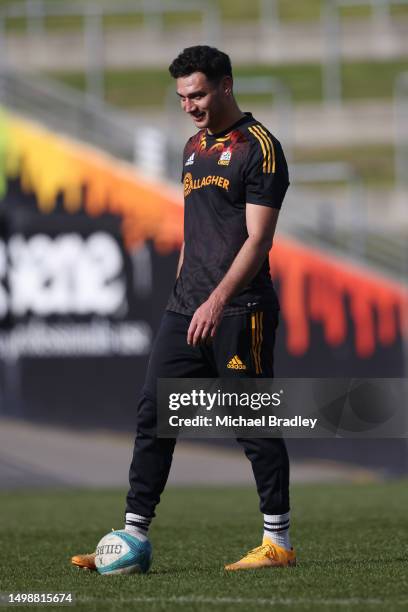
<point>190,160</point>
<point>225,158</point>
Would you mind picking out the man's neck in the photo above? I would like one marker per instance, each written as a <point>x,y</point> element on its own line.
<point>230,119</point>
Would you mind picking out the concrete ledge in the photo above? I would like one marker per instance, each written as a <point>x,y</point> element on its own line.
<point>33,455</point>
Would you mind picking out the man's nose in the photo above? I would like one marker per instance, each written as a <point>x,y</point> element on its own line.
<point>189,106</point>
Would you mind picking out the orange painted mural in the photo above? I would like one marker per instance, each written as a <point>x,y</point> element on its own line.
<point>315,287</point>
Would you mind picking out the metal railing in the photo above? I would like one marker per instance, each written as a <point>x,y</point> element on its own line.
<point>346,228</point>
<point>69,111</point>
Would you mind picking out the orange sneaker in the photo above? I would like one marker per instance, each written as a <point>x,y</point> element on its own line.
<point>85,561</point>
<point>266,555</point>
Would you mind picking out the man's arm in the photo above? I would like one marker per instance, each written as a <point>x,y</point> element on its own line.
<point>180,261</point>
<point>261,223</point>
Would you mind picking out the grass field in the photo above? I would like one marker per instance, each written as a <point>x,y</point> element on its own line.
<point>373,163</point>
<point>350,540</point>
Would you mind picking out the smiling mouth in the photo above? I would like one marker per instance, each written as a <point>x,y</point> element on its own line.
<point>198,116</point>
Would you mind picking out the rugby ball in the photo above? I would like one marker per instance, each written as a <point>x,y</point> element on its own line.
<point>120,552</point>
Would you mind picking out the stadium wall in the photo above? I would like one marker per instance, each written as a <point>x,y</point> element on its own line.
<point>88,251</point>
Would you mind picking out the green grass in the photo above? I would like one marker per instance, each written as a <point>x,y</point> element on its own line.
<point>365,80</point>
<point>373,163</point>
<point>296,10</point>
<point>350,540</point>
<point>147,87</point>
<point>399,10</point>
<point>293,10</point>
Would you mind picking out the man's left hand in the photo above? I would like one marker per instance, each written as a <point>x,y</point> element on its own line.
<point>205,321</point>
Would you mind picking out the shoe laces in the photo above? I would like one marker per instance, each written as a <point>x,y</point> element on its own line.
<point>265,550</point>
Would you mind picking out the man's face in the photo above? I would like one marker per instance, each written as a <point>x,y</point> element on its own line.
<point>202,99</point>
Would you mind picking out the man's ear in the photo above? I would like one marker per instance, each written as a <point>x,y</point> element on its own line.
<point>227,85</point>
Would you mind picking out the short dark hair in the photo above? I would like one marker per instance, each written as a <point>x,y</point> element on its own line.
<point>210,61</point>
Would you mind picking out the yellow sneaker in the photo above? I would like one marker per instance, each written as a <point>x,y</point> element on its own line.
<point>266,555</point>
<point>85,561</point>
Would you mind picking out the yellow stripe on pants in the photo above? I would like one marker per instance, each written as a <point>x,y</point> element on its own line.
<point>257,337</point>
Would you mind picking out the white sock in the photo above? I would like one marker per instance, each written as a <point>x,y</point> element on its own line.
<point>137,525</point>
<point>276,529</point>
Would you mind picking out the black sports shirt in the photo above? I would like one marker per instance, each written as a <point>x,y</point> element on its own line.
<point>221,173</point>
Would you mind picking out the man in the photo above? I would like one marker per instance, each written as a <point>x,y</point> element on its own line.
<point>222,314</point>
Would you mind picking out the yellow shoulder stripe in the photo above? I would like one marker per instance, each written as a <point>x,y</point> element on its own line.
<point>265,154</point>
<point>271,144</point>
<point>267,147</point>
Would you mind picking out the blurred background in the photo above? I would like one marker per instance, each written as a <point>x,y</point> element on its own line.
<point>91,140</point>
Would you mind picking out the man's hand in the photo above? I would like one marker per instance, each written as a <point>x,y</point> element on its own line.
<point>206,320</point>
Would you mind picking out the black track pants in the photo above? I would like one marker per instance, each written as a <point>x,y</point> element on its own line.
<point>250,337</point>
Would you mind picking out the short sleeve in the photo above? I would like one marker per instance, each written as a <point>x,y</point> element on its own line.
<point>266,171</point>
<point>183,163</point>
<point>186,155</point>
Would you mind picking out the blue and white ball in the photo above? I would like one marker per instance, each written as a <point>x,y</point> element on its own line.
<point>120,552</point>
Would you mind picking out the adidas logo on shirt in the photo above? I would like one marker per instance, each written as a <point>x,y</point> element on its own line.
<point>236,364</point>
<point>190,160</point>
